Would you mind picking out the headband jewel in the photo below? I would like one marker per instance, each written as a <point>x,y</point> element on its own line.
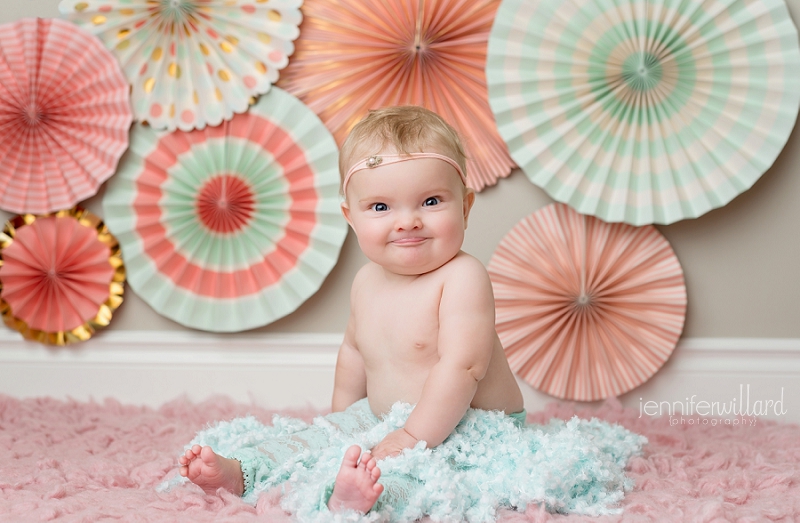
<point>387,159</point>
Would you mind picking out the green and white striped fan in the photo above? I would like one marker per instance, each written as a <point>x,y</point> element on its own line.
<point>644,111</point>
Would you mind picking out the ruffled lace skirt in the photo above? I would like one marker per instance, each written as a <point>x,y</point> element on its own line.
<point>489,462</point>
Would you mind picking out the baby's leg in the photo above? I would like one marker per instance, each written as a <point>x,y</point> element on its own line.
<point>397,491</point>
<point>253,465</point>
<point>357,486</point>
<point>210,471</point>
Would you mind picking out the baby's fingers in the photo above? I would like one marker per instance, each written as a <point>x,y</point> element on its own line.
<point>379,452</point>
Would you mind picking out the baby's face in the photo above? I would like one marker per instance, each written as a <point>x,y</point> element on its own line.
<point>410,216</point>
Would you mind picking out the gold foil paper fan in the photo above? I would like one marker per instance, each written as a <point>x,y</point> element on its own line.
<point>61,276</point>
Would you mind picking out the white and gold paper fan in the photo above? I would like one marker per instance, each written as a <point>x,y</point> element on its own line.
<point>192,63</point>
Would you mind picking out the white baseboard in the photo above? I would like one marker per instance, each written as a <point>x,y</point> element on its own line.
<point>292,370</point>
<point>152,367</point>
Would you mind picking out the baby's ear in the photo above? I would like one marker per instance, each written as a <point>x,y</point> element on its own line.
<point>346,212</point>
<point>469,200</point>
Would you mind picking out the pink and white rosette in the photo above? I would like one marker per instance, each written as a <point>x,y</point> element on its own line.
<point>586,310</point>
<point>64,115</point>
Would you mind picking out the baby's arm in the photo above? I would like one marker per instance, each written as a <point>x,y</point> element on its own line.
<point>350,379</point>
<point>465,343</point>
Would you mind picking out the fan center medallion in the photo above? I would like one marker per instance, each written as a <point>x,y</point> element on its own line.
<point>583,302</point>
<point>176,10</point>
<point>642,71</point>
<point>225,204</point>
<point>33,114</point>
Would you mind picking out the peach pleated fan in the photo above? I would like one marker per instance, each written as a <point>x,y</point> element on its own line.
<point>64,115</point>
<point>357,55</point>
<point>586,310</point>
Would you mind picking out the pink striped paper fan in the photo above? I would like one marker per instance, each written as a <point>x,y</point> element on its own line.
<point>586,310</point>
<point>64,115</point>
<point>356,55</point>
<point>61,276</point>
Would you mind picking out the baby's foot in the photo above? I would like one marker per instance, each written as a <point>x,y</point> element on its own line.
<point>357,486</point>
<point>211,471</point>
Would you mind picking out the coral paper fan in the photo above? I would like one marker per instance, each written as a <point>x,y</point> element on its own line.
<point>357,55</point>
<point>585,309</point>
<point>231,227</point>
<point>193,63</point>
<point>64,115</point>
<point>61,275</point>
<point>644,112</point>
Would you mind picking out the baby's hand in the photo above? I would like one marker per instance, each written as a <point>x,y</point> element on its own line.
<point>393,444</point>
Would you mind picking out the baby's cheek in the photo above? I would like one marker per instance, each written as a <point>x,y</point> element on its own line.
<point>455,232</point>
<point>372,244</point>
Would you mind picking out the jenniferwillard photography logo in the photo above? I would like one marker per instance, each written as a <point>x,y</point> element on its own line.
<point>736,411</point>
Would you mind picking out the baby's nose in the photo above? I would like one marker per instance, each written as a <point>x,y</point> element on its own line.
<point>407,221</point>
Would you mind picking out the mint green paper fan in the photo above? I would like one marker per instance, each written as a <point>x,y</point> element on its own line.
<point>230,227</point>
<point>644,111</point>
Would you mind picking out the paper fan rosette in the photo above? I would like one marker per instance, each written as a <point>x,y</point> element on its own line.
<point>192,63</point>
<point>644,111</point>
<point>231,227</point>
<point>64,115</point>
<point>586,310</point>
<point>356,55</point>
<point>61,276</point>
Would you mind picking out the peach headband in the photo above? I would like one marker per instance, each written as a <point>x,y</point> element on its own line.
<point>386,159</point>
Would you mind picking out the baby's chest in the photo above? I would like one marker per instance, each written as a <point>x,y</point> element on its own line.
<point>400,320</point>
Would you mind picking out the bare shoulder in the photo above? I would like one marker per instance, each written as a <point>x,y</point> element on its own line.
<point>466,274</point>
<point>466,268</point>
<point>363,277</point>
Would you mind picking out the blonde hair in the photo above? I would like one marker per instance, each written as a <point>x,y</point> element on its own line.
<point>407,128</point>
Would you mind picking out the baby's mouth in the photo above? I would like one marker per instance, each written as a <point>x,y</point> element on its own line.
<point>412,240</point>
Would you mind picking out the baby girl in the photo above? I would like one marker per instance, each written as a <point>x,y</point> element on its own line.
<point>421,329</point>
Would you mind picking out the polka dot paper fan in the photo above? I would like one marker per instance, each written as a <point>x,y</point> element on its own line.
<point>586,310</point>
<point>193,63</point>
<point>231,227</point>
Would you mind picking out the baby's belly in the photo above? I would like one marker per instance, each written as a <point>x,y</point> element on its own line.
<point>386,389</point>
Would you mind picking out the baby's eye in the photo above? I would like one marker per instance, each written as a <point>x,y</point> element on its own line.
<point>380,207</point>
<point>431,201</point>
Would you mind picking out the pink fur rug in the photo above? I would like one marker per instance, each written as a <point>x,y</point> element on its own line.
<point>74,461</point>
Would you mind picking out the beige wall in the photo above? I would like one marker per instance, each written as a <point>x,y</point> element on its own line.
<point>741,262</point>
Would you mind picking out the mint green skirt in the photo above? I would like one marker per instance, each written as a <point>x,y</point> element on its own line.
<point>490,461</point>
